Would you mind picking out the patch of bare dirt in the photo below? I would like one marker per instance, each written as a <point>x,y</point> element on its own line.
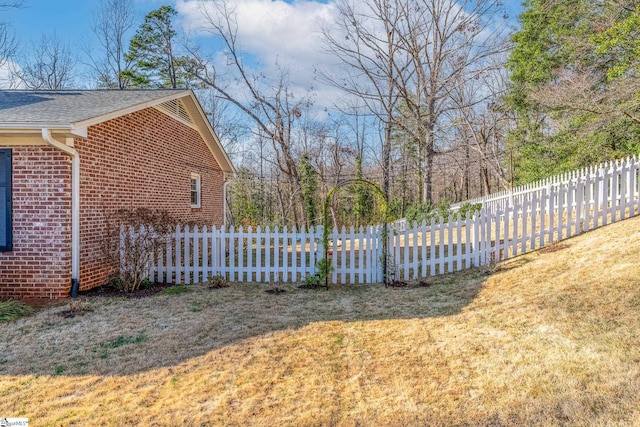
<point>110,291</point>
<point>423,284</point>
<point>397,284</point>
<point>409,285</point>
<point>71,313</point>
<point>313,286</point>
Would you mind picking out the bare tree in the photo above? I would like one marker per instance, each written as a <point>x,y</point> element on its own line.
<point>50,65</point>
<point>407,56</point>
<point>8,43</point>
<point>269,103</point>
<point>227,121</point>
<point>482,121</point>
<point>450,43</point>
<point>113,20</point>
<point>364,39</point>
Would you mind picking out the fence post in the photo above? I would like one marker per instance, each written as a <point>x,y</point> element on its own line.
<point>121,248</point>
<point>320,250</point>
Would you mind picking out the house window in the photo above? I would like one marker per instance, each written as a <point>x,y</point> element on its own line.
<point>5,200</point>
<point>196,190</point>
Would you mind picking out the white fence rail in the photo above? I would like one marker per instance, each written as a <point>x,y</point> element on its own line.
<point>540,217</point>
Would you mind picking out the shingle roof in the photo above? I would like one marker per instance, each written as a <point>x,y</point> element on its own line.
<point>72,111</point>
<point>70,106</point>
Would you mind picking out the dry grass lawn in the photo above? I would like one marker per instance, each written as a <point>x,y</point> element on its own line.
<point>548,338</point>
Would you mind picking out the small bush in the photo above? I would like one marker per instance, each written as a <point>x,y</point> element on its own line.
<point>425,211</point>
<point>133,237</point>
<point>468,208</point>
<point>419,212</point>
<point>324,269</point>
<point>313,281</point>
<point>444,209</point>
<point>217,282</point>
<point>13,310</point>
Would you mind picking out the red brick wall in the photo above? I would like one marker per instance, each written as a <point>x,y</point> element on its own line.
<point>40,263</point>
<point>144,159</point>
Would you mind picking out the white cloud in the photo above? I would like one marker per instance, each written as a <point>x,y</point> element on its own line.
<point>275,33</point>
<point>267,27</point>
<point>288,34</point>
<point>7,76</point>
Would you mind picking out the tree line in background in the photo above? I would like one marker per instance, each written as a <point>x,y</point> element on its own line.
<point>574,85</point>
<point>441,100</point>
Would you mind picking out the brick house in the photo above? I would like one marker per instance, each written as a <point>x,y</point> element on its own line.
<point>69,159</point>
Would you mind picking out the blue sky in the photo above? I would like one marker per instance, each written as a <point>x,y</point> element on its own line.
<point>272,30</point>
<point>71,18</point>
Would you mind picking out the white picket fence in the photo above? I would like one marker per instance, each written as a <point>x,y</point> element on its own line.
<point>540,217</point>
<point>514,196</point>
<point>268,255</point>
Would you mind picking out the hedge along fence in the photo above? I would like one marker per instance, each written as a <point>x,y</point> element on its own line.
<point>539,218</point>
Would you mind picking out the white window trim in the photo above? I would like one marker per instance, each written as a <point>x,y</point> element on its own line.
<point>198,179</point>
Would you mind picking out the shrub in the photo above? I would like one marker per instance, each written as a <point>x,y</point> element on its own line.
<point>425,211</point>
<point>217,282</point>
<point>419,212</point>
<point>324,268</point>
<point>468,208</point>
<point>134,236</point>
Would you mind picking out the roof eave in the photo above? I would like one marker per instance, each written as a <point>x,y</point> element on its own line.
<point>80,128</point>
<point>217,149</point>
<point>128,110</point>
<point>36,128</point>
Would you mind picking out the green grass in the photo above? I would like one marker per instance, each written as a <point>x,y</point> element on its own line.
<point>121,340</point>
<point>13,310</point>
<point>175,290</point>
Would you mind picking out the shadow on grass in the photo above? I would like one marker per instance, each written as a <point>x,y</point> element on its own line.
<point>177,328</point>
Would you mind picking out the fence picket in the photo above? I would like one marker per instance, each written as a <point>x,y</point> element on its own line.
<point>196,264</point>
<point>615,193</point>
<point>343,255</point>
<point>635,186</point>
<point>284,254</point>
<point>605,199</point>
<point>178,255</point>
<point>521,246</point>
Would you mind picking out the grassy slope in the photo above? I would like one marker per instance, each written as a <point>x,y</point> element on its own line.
<point>549,338</point>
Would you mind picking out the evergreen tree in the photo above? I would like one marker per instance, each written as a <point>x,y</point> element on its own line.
<point>154,51</point>
<point>574,80</point>
<point>309,188</point>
